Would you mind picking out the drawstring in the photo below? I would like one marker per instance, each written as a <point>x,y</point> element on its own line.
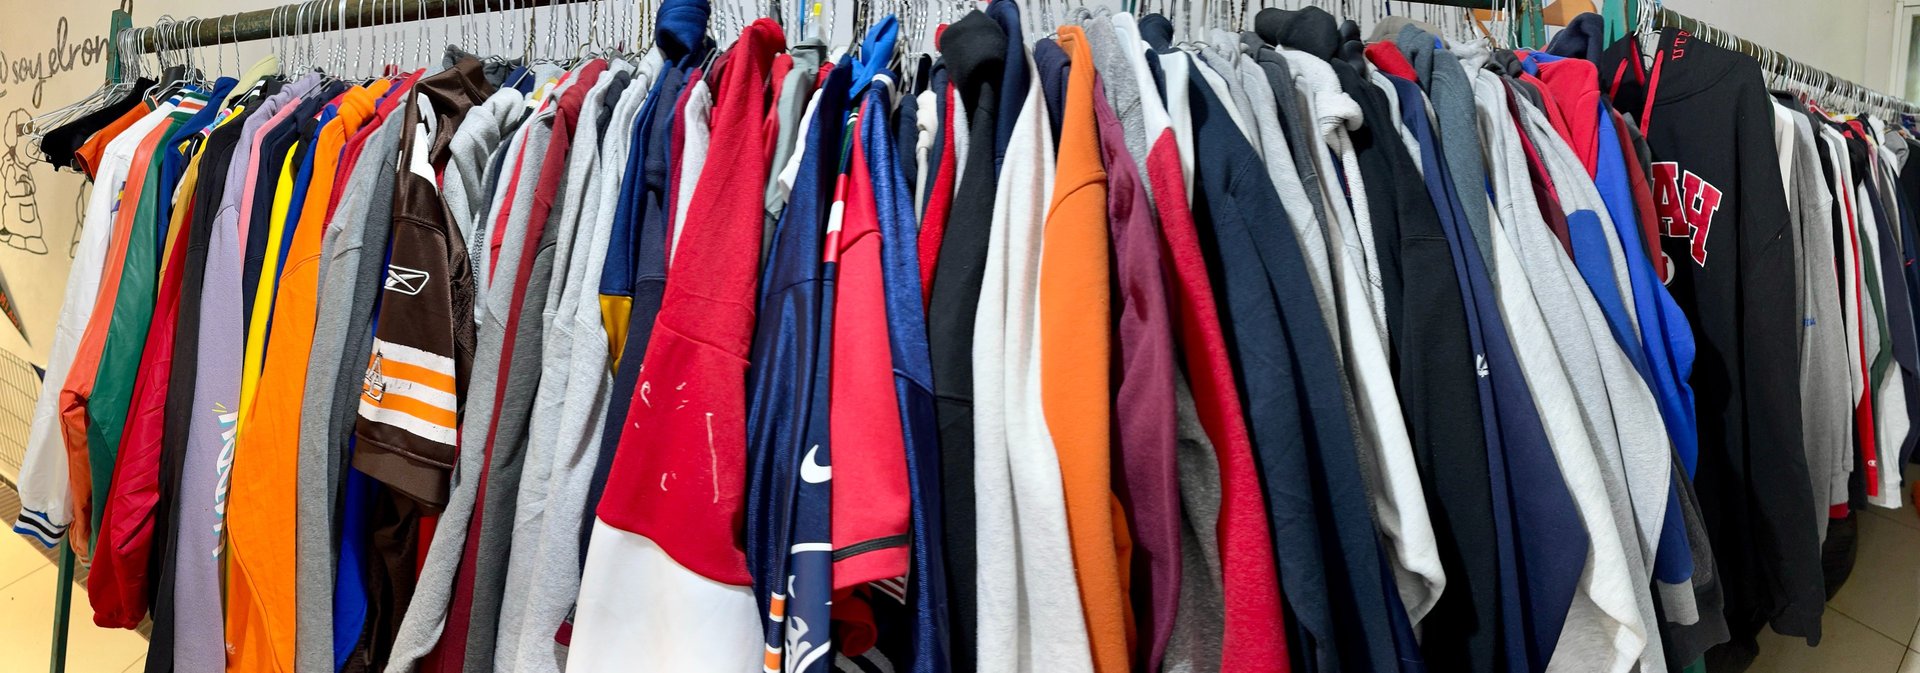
<point>1653,87</point>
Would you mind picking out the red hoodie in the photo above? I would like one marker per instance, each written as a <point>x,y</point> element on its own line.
<point>1574,85</point>
<point>679,474</point>
<point>1255,637</point>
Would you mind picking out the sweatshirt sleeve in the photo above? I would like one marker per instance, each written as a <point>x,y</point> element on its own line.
<point>423,342</point>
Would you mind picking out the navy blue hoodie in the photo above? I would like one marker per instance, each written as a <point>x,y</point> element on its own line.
<point>1330,561</point>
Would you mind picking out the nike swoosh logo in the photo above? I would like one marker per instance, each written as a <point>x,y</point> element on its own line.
<point>811,470</point>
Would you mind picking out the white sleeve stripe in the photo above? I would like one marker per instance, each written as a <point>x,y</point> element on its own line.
<point>426,394</point>
<point>430,431</point>
<point>413,356</point>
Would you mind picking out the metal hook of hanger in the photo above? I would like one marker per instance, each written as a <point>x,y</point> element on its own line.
<point>187,44</point>
<point>211,67</point>
<point>162,60</point>
<point>317,22</point>
<point>232,39</point>
<point>446,28</point>
<point>335,34</point>
<point>419,41</point>
<point>303,35</point>
<point>158,38</point>
<point>481,15</point>
<point>283,40</point>
<point>372,17</point>
<point>290,37</point>
<point>189,41</point>
<point>289,42</point>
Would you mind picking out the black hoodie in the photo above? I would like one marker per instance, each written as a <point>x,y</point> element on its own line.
<point>975,51</point>
<point>1725,232</point>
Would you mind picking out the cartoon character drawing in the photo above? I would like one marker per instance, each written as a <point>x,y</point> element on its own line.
<point>20,225</point>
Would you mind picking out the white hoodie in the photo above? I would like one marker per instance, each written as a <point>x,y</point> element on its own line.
<point>46,499</point>
<point>1398,498</point>
<point>1029,614</point>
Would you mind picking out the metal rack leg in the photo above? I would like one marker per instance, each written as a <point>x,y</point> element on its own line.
<point>62,603</point>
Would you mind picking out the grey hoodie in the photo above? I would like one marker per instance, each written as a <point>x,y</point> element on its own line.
<point>1825,388</point>
<point>529,512</point>
<point>553,573</point>
<point>1640,471</point>
<point>1196,643</point>
<point>342,325</point>
<point>464,185</point>
<point>1643,446</point>
<point>1295,123</point>
<point>1122,89</point>
<point>1450,90</point>
<point>433,594</point>
<point>1396,494</point>
<point>1277,152</point>
<point>516,393</point>
<point>1606,629</point>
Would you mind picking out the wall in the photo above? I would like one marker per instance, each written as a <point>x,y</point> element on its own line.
<point>54,55</point>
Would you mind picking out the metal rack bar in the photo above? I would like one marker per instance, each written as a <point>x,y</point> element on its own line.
<point>320,16</point>
<point>1770,60</point>
<point>1783,64</point>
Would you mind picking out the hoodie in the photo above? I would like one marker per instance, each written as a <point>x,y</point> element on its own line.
<point>1728,242</point>
<point>692,598</point>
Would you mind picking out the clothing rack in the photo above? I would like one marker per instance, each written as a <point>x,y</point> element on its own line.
<point>316,16</point>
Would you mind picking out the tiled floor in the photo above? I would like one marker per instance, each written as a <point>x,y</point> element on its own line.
<point>28,578</point>
<point>1872,626</point>
<point>27,583</point>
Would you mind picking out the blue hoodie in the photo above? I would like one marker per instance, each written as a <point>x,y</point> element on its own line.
<point>1542,543</point>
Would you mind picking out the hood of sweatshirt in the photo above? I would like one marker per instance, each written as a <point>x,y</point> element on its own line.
<point>975,56</point>
<point>1333,108</point>
<point>1389,29</point>
<point>1151,104</point>
<point>1013,78</point>
<point>1585,37</point>
<point>1684,66</point>
<point>682,32</point>
<point>1157,31</point>
<point>1311,30</point>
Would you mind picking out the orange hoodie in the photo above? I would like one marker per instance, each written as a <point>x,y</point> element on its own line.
<point>1075,343</point>
<point>261,506</point>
